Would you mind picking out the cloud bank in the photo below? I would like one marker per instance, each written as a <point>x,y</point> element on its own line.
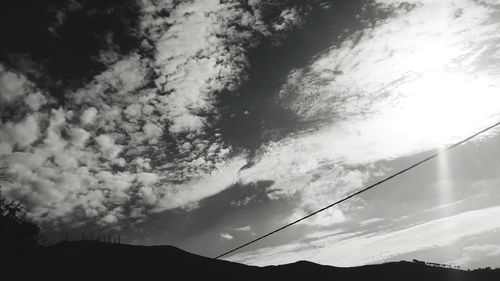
<point>351,249</point>
<point>137,138</point>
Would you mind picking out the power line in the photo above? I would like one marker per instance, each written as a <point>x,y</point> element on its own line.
<point>362,190</point>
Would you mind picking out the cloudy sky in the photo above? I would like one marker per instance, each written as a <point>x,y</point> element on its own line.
<point>206,123</point>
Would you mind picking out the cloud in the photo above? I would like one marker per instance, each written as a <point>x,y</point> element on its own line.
<point>35,100</point>
<point>364,94</point>
<point>109,219</point>
<point>22,133</point>
<point>226,236</point>
<point>326,218</point>
<point>88,115</point>
<point>479,256</point>
<point>242,202</point>
<point>409,77</point>
<point>138,135</point>
<point>78,137</point>
<point>187,55</point>
<point>371,221</point>
<point>148,196</point>
<point>353,83</point>
<point>12,86</point>
<point>108,146</point>
<point>187,123</point>
<point>201,186</point>
<point>300,167</point>
<point>243,228</point>
<point>342,250</point>
<point>289,18</point>
<point>126,74</point>
<point>202,52</point>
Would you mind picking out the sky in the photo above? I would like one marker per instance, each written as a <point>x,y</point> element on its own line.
<point>203,124</point>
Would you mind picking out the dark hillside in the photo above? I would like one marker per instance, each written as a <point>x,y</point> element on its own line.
<point>87,260</point>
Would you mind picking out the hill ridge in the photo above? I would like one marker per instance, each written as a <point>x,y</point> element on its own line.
<point>92,260</point>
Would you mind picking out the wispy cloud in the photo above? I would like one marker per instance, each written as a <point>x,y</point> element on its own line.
<point>408,78</point>
<point>371,221</point>
<point>392,90</point>
<point>243,228</point>
<point>377,247</point>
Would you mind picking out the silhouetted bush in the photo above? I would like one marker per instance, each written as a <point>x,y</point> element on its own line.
<point>16,229</point>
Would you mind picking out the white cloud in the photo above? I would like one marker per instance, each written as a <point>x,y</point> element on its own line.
<point>196,52</point>
<point>288,18</point>
<point>127,74</point>
<point>152,132</point>
<point>148,196</point>
<point>108,146</point>
<point>187,55</point>
<point>200,53</point>
<point>477,256</point>
<point>116,185</point>
<point>357,80</point>
<point>226,236</point>
<point>143,163</point>
<point>201,186</point>
<point>411,83</point>
<point>371,221</point>
<point>147,178</point>
<point>12,86</point>
<point>79,136</point>
<point>88,115</point>
<point>22,133</point>
<point>187,123</point>
<point>119,119</point>
<point>329,217</point>
<point>243,228</point>
<point>35,100</point>
<point>132,110</point>
<point>299,167</point>
<point>378,247</point>
<point>109,219</point>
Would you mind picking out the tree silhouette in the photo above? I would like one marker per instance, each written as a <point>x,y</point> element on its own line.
<point>17,230</point>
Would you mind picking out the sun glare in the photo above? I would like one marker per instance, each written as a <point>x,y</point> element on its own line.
<point>443,107</point>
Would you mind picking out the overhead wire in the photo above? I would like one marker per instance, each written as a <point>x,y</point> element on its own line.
<point>439,152</point>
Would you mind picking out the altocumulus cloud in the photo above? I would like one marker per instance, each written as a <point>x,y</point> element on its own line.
<point>136,138</point>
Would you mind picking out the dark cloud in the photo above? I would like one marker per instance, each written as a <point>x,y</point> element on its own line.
<point>62,44</point>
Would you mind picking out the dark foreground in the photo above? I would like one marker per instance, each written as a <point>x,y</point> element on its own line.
<point>87,260</point>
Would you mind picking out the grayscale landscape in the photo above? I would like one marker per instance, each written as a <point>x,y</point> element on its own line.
<point>244,139</point>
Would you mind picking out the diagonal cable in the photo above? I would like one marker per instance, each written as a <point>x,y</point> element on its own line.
<point>362,190</point>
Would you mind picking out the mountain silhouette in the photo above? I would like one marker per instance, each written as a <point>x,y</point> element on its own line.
<point>91,260</point>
